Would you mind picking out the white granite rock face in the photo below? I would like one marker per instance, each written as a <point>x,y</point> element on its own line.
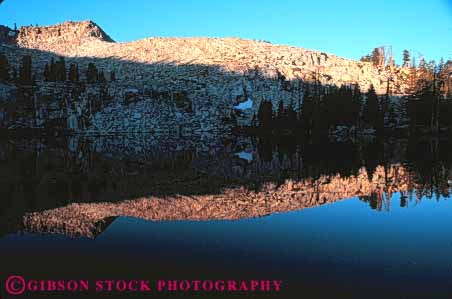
<point>184,85</point>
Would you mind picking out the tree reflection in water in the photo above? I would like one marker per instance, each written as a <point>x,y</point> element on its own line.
<point>51,184</point>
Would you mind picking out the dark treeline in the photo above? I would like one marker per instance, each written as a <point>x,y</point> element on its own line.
<point>54,71</point>
<point>12,75</point>
<point>25,77</point>
<point>326,109</point>
<point>430,104</point>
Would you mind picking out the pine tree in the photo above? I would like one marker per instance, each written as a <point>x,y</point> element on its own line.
<point>265,115</point>
<point>440,66</point>
<point>371,108</point>
<point>306,112</point>
<point>91,73</point>
<point>431,66</point>
<point>422,62</point>
<point>422,107</point>
<point>25,72</point>
<point>356,104</point>
<point>46,73</point>
<point>101,77</point>
<point>291,117</point>
<point>280,112</point>
<point>330,115</point>
<point>406,58</point>
<point>60,70</point>
<point>4,68</point>
<point>52,68</point>
<point>443,75</point>
<point>73,73</point>
<point>280,115</point>
<point>346,105</point>
<point>376,57</point>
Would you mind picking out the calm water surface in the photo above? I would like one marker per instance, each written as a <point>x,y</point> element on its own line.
<point>393,242</point>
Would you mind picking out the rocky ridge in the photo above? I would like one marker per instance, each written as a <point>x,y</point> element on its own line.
<point>86,39</point>
<point>69,33</point>
<point>208,76</point>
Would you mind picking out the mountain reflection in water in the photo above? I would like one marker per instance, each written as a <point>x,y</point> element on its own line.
<point>78,186</point>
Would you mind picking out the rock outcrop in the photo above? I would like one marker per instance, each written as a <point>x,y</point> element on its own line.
<point>68,34</point>
<point>212,74</point>
<point>86,39</point>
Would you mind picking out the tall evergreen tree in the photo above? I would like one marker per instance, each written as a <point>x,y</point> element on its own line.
<point>265,115</point>
<point>291,117</point>
<point>319,125</point>
<point>422,63</point>
<point>441,65</point>
<point>406,58</point>
<point>280,115</point>
<point>25,72</point>
<point>306,112</point>
<point>332,107</point>
<point>101,77</point>
<point>73,73</point>
<point>346,98</point>
<point>376,57</point>
<point>91,73</point>
<point>60,70</point>
<point>421,107</point>
<point>46,73</point>
<point>443,77</point>
<point>280,112</point>
<point>52,69</point>
<point>356,104</point>
<point>371,108</point>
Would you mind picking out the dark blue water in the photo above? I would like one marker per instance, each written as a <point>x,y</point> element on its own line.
<point>340,249</point>
<point>373,246</point>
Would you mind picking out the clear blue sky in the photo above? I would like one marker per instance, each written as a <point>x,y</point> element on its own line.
<point>346,28</point>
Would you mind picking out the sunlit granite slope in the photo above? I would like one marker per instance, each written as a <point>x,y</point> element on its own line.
<point>195,82</point>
